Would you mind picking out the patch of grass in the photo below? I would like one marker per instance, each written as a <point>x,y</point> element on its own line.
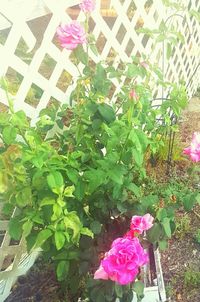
<point>183,226</point>
<point>197,236</point>
<point>192,278</point>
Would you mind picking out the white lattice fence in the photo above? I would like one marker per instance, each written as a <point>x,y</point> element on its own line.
<point>39,71</point>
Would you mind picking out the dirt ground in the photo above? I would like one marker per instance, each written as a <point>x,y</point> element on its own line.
<point>182,259</point>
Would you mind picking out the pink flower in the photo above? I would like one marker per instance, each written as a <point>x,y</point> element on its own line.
<point>87,6</point>
<point>194,150</point>
<point>144,64</point>
<point>121,263</point>
<point>141,223</point>
<point>71,35</point>
<point>133,95</point>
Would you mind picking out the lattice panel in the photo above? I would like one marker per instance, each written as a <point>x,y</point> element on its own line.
<point>40,72</point>
<point>14,260</point>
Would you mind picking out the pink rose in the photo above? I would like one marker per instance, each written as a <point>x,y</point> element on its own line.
<point>87,6</point>
<point>141,223</point>
<point>133,95</point>
<point>194,150</point>
<point>121,263</point>
<point>144,64</point>
<point>71,35</point>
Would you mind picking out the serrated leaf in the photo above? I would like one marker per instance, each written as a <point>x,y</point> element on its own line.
<point>15,228</point>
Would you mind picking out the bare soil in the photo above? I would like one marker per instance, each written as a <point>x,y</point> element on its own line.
<point>183,255</point>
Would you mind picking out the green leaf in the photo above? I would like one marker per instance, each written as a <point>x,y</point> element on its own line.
<point>135,189</point>
<point>163,245</point>
<point>94,49</point>
<point>80,190</point>
<point>149,201</point>
<point>195,14</point>
<point>153,235</point>
<point>27,227</point>
<point>189,201</point>
<point>138,157</point>
<point>55,181</point>
<point>118,290</point>
<point>9,134</point>
<point>68,192</point>
<point>73,175</point>
<point>3,182</point>
<point>161,214</point>
<point>161,38</point>
<point>73,222</point>
<point>20,120</point>
<point>166,225</point>
<point>15,228</point>
<point>95,178</point>
<point>95,227</point>
<point>80,54</point>
<point>24,197</point>
<point>117,174</point>
<point>62,270</point>
<point>138,288</point>
<point>87,232</point>
<point>107,112</point>
<point>59,240</point>
<point>42,237</point>
<point>47,201</point>
<point>197,198</point>
<point>169,50</point>
<point>134,71</point>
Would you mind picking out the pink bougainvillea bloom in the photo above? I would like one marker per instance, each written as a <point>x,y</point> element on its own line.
<point>133,95</point>
<point>141,223</point>
<point>194,149</point>
<point>87,6</point>
<point>71,35</point>
<point>121,263</point>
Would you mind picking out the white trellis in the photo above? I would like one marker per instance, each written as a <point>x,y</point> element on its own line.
<point>36,67</point>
